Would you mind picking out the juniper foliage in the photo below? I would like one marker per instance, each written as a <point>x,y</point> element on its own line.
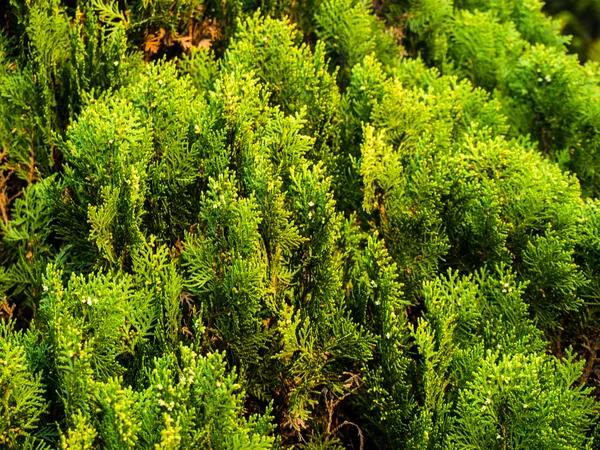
<point>343,225</point>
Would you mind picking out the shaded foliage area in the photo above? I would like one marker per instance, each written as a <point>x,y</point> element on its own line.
<point>581,21</point>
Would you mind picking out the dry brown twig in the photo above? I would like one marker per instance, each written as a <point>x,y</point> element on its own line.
<point>5,200</point>
<point>331,403</point>
<point>592,346</point>
<point>199,35</point>
<point>7,311</point>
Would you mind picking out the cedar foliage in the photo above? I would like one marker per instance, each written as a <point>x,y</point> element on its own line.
<point>274,224</point>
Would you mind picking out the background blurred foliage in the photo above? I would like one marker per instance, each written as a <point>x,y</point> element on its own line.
<point>581,20</point>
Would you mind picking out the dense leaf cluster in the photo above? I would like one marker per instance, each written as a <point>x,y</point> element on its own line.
<point>323,224</point>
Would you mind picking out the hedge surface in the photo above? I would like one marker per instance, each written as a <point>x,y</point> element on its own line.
<point>323,224</point>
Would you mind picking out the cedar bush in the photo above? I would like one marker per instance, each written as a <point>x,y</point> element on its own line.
<point>274,224</point>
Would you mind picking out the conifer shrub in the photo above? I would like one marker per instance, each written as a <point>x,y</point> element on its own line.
<point>322,225</point>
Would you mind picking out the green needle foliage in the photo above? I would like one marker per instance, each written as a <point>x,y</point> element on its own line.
<point>315,225</point>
